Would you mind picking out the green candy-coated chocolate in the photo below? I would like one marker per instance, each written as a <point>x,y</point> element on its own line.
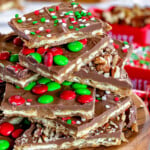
<point>60,60</point>
<point>83,91</point>
<point>30,86</point>
<point>67,83</point>
<point>52,86</point>
<point>14,58</point>
<point>125,42</point>
<point>45,99</point>
<point>75,46</point>
<point>69,121</point>
<point>36,56</point>
<point>4,145</point>
<point>79,86</point>
<point>44,80</point>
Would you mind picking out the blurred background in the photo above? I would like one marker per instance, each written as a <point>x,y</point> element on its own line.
<point>130,20</point>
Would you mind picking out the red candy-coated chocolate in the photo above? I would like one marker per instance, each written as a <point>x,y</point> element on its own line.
<point>56,51</point>
<point>17,41</point>
<point>84,41</point>
<point>15,134</point>
<point>48,59</point>
<point>125,50</point>
<point>68,95</point>
<point>16,100</point>
<point>116,99</point>
<point>85,99</point>
<point>4,55</point>
<point>116,46</point>
<point>26,51</point>
<point>40,89</point>
<point>41,50</point>
<point>6,129</point>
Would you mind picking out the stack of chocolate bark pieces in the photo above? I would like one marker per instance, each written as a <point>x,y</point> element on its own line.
<point>65,74</point>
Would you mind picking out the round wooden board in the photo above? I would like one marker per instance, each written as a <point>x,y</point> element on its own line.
<point>140,140</point>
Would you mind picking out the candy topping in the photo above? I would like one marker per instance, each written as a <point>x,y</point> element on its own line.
<point>40,89</point>
<point>48,59</point>
<point>52,86</point>
<point>16,100</point>
<point>60,60</point>
<point>15,134</point>
<point>45,99</point>
<point>56,51</point>
<point>36,56</point>
<point>4,145</point>
<point>85,99</point>
<point>75,46</point>
<point>6,129</point>
<point>4,55</point>
<point>68,95</point>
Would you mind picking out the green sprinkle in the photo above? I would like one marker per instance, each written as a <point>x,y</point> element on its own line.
<point>99,98</point>
<point>71,27</point>
<point>83,13</point>
<point>55,21</point>
<point>14,58</point>
<point>17,87</point>
<point>19,21</point>
<point>55,25</point>
<point>32,33</point>
<point>77,13</point>
<point>69,121</point>
<point>17,16</point>
<point>39,35</point>
<point>77,29</point>
<point>89,14</point>
<point>66,83</point>
<point>73,3</point>
<point>51,9</point>
<point>43,19</point>
<point>34,22</point>
<point>125,42</point>
<point>30,86</point>
<point>83,26</point>
<point>79,16</point>
<point>54,17</point>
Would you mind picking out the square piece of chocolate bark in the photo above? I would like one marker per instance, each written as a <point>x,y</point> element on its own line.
<point>48,99</point>
<point>58,62</point>
<point>106,71</point>
<point>57,25</point>
<point>10,69</point>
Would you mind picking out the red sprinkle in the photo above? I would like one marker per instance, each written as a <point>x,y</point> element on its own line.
<point>16,100</point>
<point>116,99</point>
<point>37,12</point>
<point>57,8</point>
<point>73,122</point>
<point>75,22</point>
<point>6,129</point>
<point>38,31</point>
<point>68,95</point>
<point>84,41</point>
<point>48,59</point>
<point>56,51</point>
<point>48,30</point>
<point>96,100</point>
<point>15,134</point>
<point>4,55</point>
<point>63,21</point>
<point>40,89</point>
<point>41,50</point>
<point>29,100</point>
<point>116,46</point>
<point>17,41</point>
<point>72,19</point>
<point>26,51</point>
<point>85,99</point>
<point>66,118</point>
<point>18,66</point>
<point>125,50</point>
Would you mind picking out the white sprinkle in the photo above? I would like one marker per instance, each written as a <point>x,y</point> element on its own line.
<point>81,25</point>
<point>53,13</point>
<point>79,19</point>
<point>13,103</point>
<point>107,106</point>
<point>107,92</point>
<point>104,98</point>
<point>42,10</point>
<point>26,32</point>
<point>71,14</point>
<point>41,28</point>
<point>126,46</point>
<point>29,19</point>
<point>23,18</point>
<point>60,20</point>
<point>28,104</point>
<point>47,20</point>
<point>84,11</point>
<point>97,95</point>
<point>87,24</point>
<point>93,18</point>
<point>106,75</point>
<point>64,24</point>
<point>75,6</point>
<point>111,41</point>
<point>48,35</point>
<point>83,20</point>
<point>83,119</point>
<point>78,122</point>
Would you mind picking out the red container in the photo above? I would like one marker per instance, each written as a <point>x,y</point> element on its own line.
<point>125,32</point>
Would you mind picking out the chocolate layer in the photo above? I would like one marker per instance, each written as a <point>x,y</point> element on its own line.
<point>106,70</point>
<point>39,137</point>
<point>107,105</point>
<point>66,22</point>
<point>11,71</point>
<point>76,59</point>
<point>58,107</point>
